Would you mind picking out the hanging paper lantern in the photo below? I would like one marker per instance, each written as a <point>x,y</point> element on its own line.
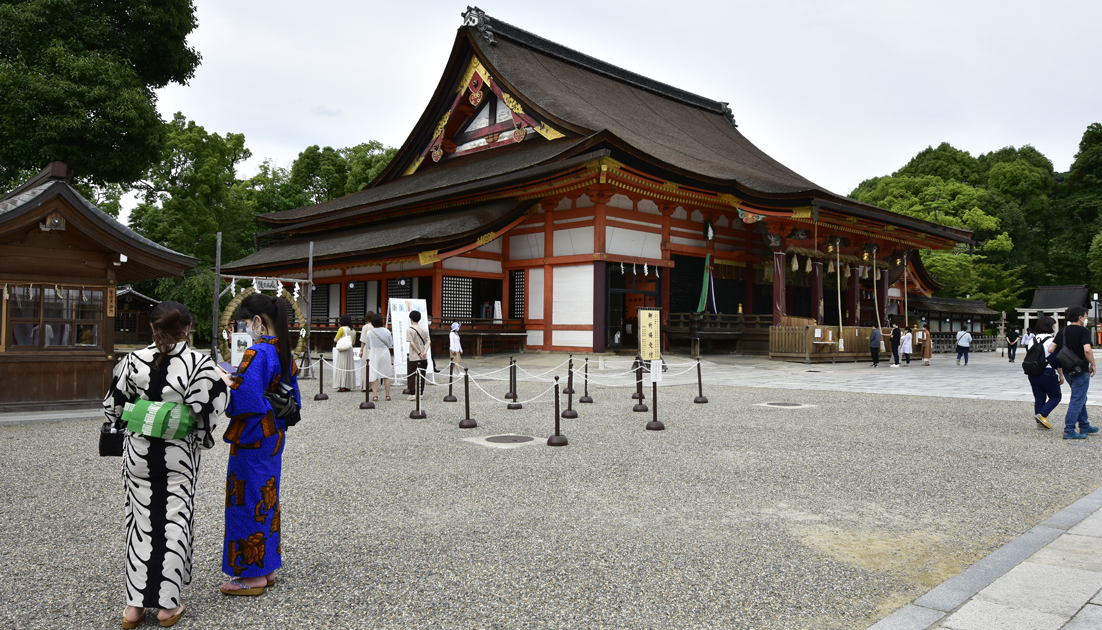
<point>808,267</point>
<point>830,267</point>
<point>847,271</point>
<point>795,263</point>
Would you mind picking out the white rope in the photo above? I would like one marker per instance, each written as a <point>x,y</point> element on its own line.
<point>488,394</point>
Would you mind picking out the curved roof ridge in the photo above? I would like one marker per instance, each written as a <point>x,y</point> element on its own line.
<point>479,22</point>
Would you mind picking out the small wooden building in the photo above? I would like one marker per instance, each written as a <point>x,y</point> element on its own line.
<point>60,260</point>
<point>132,310</point>
<point>576,192</point>
<point>1055,301</point>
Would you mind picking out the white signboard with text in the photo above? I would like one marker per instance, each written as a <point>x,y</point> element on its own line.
<point>398,310</point>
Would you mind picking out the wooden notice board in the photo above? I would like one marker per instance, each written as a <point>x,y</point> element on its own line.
<point>650,334</point>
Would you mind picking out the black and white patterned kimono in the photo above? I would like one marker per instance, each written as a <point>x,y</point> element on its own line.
<point>160,474</point>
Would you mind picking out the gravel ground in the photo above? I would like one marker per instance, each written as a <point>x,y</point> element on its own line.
<point>736,516</point>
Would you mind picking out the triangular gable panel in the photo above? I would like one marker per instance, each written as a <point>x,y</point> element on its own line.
<point>496,118</point>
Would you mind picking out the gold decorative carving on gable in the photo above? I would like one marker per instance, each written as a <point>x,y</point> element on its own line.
<point>801,213</point>
<point>486,238</point>
<point>670,186</point>
<point>512,103</point>
<point>548,132</point>
<point>729,199</point>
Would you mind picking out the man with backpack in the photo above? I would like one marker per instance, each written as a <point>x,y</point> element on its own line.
<point>1043,377</point>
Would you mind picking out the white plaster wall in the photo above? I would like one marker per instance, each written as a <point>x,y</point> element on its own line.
<point>574,241</point>
<point>647,206</point>
<point>687,241</point>
<point>680,213</point>
<point>535,294</point>
<point>526,246</point>
<point>406,266</point>
<point>335,300</point>
<point>472,264</point>
<point>328,273</point>
<point>572,295</point>
<point>359,271</point>
<point>535,337</point>
<point>564,204</point>
<point>583,202</point>
<point>373,296</point>
<point>620,201</point>
<point>697,216</point>
<point>583,338</point>
<point>632,243</point>
<point>493,247</point>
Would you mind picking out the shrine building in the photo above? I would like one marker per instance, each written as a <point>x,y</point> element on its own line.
<point>574,192</point>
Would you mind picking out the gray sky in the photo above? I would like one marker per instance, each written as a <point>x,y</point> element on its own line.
<point>838,91</point>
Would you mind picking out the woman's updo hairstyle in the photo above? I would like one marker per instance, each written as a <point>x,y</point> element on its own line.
<point>276,310</point>
<point>170,321</point>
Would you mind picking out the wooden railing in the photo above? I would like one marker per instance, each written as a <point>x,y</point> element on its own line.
<point>946,342</point>
<point>819,343</point>
<point>716,323</point>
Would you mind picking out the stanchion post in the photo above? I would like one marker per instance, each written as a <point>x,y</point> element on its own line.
<point>558,439</point>
<point>585,397</point>
<point>637,365</point>
<point>700,397</point>
<point>367,404</point>
<point>570,377</point>
<point>512,395</point>
<point>321,395</point>
<point>570,412</point>
<point>450,397</point>
<point>417,413</point>
<point>638,395</point>
<point>467,422</point>
<point>654,424</point>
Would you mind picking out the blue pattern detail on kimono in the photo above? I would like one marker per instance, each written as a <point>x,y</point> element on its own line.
<point>253,541</point>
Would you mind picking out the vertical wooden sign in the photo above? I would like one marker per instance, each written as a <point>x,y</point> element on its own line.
<point>650,334</point>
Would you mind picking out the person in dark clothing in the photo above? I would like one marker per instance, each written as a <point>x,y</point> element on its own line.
<point>1012,344</point>
<point>874,345</point>
<point>897,338</point>
<point>1046,386</point>
<point>1078,340</point>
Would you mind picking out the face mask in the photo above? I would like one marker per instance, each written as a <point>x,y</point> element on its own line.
<point>254,333</point>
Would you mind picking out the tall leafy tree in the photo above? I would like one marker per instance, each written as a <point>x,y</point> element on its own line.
<point>78,81</point>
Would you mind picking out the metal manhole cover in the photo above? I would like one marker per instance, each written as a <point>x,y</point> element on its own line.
<point>509,439</point>
<point>783,404</point>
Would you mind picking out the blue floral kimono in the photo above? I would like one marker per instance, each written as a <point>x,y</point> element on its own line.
<point>253,543</point>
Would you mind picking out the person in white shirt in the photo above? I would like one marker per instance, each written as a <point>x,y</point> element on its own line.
<point>454,345</point>
<point>1027,339</point>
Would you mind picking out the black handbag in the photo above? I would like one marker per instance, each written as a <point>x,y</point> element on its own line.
<point>283,403</point>
<point>1069,362</point>
<point>110,440</point>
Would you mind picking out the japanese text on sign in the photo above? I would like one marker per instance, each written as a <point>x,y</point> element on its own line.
<point>650,335</point>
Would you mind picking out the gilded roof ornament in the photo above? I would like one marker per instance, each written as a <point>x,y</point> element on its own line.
<point>476,18</point>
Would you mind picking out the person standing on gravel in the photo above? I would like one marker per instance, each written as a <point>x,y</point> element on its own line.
<point>1011,344</point>
<point>160,470</point>
<point>418,339</point>
<point>897,338</point>
<point>874,345</point>
<point>252,548</point>
<point>964,343</point>
<point>1078,340</point>
<point>1046,385</point>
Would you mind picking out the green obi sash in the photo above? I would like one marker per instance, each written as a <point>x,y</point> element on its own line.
<point>165,420</point>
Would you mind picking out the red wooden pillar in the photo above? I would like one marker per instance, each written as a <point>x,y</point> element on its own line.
<point>780,306</point>
<point>548,272</point>
<point>882,296</point>
<point>438,292</point>
<point>817,291</point>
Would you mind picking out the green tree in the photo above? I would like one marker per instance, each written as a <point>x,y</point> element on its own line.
<point>78,81</point>
<point>193,193</point>
<point>324,174</point>
<point>946,162</point>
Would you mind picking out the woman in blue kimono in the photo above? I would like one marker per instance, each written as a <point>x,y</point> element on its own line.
<point>252,547</point>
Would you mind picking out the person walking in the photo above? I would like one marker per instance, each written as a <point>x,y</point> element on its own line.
<point>964,343</point>
<point>1077,339</point>
<point>1046,385</point>
<point>454,345</point>
<point>365,382</point>
<point>897,338</point>
<point>252,548</point>
<point>905,346</point>
<point>927,344</point>
<point>345,365</point>
<point>1012,344</point>
<point>1027,339</point>
<point>418,339</point>
<point>874,345</point>
<point>378,343</point>
<point>160,468</point>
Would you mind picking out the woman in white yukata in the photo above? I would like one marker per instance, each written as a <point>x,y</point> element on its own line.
<point>160,474</point>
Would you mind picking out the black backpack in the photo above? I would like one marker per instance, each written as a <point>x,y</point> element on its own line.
<point>1035,363</point>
